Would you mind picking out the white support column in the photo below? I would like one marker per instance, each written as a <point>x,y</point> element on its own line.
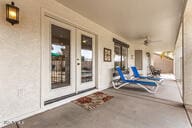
<point>178,57</point>
<point>187,53</point>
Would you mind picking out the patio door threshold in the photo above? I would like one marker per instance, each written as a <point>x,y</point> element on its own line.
<point>67,96</point>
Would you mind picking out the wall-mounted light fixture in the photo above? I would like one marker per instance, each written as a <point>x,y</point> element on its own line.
<point>12,13</point>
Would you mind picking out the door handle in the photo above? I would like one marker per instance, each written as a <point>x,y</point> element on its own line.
<point>78,64</point>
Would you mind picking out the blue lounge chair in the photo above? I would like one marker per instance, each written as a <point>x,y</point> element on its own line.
<point>137,75</point>
<point>154,85</point>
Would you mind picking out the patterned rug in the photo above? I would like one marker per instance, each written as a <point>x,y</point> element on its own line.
<point>93,101</point>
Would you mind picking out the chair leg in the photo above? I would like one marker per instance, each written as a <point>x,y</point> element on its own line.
<point>118,86</point>
<point>152,91</point>
<point>161,81</point>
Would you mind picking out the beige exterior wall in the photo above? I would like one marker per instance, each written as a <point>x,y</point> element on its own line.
<point>165,64</point>
<point>145,49</point>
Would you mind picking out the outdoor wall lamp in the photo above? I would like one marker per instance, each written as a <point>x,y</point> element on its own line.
<point>12,13</point>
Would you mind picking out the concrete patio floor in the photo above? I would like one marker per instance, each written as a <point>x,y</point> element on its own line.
<point>130,108</point>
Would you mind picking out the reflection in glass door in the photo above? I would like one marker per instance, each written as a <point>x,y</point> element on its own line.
<point>85,61</point>
<point>60,57</point>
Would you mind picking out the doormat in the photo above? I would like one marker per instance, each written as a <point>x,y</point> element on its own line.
<point>93,101</point>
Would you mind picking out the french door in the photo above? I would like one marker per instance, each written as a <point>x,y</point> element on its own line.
<point>58,57</point>
<point>68,60</point>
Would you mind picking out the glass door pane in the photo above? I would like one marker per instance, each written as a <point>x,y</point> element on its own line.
<point>86,59</point>
<point>60,57</point>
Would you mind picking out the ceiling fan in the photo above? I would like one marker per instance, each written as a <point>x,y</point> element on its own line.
<point>147,41</point>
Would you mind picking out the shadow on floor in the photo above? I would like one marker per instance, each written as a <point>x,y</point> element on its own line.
<point>167,91</point>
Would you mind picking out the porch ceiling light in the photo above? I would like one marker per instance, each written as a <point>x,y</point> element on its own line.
<point>12,13</point>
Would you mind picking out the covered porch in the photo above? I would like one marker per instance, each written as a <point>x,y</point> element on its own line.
<point>54,52</point>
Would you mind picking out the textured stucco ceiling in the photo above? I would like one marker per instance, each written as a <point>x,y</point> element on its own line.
<point>134,19</point>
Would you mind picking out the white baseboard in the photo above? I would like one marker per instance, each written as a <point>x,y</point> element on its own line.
<point>104,87</point>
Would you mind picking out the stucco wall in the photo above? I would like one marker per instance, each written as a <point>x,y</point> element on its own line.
<point>20,61</point>
<point>188,54</point>
<point>164,64</point>
<point>20,53</point>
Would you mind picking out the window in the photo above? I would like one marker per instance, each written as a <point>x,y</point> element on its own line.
<point>121,54</point>
<point>139,59</point>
